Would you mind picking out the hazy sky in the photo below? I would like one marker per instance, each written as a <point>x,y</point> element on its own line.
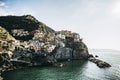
<point>97,21</point>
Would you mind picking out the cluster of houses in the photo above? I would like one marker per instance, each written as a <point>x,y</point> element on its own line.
<point>19,32</point>
<point>64,33</point>
<point>48,41</point>
<point>42,41</point>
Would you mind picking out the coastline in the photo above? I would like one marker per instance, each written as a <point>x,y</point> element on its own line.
<point>38,44</point>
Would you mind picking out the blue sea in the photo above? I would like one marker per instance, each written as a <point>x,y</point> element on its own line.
<point>73,70</point>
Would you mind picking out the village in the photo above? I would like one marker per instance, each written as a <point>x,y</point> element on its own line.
<point>41,41</point>
<point>49,41</point>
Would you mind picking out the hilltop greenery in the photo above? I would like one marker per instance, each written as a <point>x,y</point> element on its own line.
<point>26,22</point>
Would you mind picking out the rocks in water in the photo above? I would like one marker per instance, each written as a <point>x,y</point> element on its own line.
<point>96,56</point>
<point>103,64</point>
<point>99,63</point>
<point>90,56</point>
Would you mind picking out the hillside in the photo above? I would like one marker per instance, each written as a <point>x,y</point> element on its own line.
<point>25,23</point>
<point>5,40</point>
<point>4,35</point>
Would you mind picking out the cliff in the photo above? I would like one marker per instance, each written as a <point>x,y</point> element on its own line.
<point>40,40</point>
<point>29,42</point>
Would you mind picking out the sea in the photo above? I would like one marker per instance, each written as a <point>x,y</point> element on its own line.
<point>73,70</point>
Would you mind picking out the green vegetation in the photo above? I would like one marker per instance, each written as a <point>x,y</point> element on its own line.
<point>26,22</point>
<point>5,40</point>
<point>4,35</point>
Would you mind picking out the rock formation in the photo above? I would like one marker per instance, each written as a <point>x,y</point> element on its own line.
<point>99,63</point>
<point>34,44</point>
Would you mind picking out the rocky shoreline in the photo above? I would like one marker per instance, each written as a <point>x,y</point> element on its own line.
<point>43,58</point>
<point>38,45</point>
<point>98,62</point>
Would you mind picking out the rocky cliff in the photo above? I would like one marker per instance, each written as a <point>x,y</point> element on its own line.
<point>29,42</point>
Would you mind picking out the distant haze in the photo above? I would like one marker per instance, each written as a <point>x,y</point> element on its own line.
<point>97,21</point>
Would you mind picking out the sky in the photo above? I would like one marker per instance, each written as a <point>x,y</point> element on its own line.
<point>97,21</point>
